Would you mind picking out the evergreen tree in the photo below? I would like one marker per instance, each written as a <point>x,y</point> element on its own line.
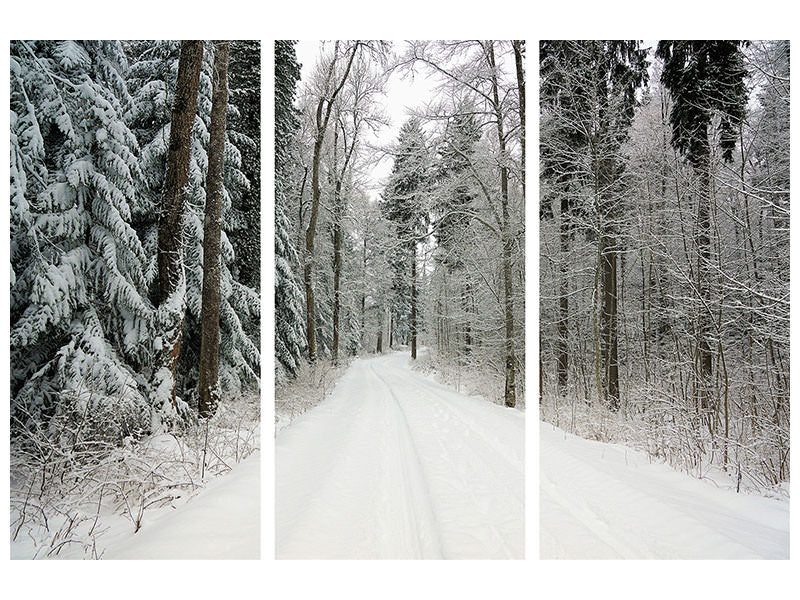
<point>289,334</point>
<point>170,256</point>
<point>706,81</point>
<point>152,83</point>
<point>208,388</point>
<point>81,324</point>
<point>244,131</point>
<point>403,205</point>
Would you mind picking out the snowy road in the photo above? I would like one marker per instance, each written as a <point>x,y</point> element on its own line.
<point>606,501</point>
<point>394,465</point>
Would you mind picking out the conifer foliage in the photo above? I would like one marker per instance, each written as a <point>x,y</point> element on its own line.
<point>90,122</point>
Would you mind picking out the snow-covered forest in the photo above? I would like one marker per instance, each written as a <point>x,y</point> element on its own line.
<point>135,283</point>
<point>399,277</point>
<point>664,260</point>
<point>430,254</point>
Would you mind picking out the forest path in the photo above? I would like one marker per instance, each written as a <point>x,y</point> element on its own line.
<point>394,465</point>
<point>607,501</point>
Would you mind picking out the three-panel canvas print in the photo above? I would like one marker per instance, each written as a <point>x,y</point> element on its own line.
<point>382,330</point>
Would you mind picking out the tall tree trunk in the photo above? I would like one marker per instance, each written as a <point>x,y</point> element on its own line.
<point>337,266</point>
<point>208,387</point>
<point>467,325</point>
<point>510,395</point>
<point>363,291</point>
<point>703,244</point>
<point>172,281</point>
<point>391,328</point>
<point>608,285</point>
<point>608,320</point>
<point>518,49</point>
<point>414,302</point>
<point>562,365</point>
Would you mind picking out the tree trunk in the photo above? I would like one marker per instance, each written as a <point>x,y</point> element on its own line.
<point>172,282</point>
<point>702,240</point>
<point>608,320</point>
<point>414,302</point>
<point>517,45</point>
<point>337,266</point>
<point>308,258</point>
<point>562,365</point>
<point>467,326</point>
<point>391,328</point>
<point>608,285</point>
<point>510,395</point>
<point>363,292</point>
<point>208,387</point>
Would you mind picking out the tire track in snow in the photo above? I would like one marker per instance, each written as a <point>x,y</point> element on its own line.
<point>385,469</point>
<point>467,465</point>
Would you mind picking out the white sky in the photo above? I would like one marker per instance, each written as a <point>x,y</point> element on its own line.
<point>402,96</point>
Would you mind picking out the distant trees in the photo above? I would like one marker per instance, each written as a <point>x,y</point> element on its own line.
<point>330,85</point>
<point>424,265</point>
<point>404,207</point>
<point>692,235</point>
<point>474,77</point>
<point>705,80</point>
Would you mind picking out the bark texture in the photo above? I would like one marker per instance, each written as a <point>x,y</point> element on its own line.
<point>170,222</point>
<point>212,228</point>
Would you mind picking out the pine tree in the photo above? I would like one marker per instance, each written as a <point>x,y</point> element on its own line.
<point>403,205</point>
<point>289,335</point>
<point>244,131</point>
<point>171,270</point>
<point>81,324</point>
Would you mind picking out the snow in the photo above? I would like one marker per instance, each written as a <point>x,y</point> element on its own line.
<point>602,500</point>
<point>220,522</point>
<point>395,465</point>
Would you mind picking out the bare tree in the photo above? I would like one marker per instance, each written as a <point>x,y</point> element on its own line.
<point>331,85</point>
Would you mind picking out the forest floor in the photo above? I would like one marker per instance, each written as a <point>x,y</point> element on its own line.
<point>395,465</point>
<point>600,500</point>
<point>220,522</point>
<point>189,495</point>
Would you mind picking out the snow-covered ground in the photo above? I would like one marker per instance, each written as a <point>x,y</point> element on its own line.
<point>608,501</point>
<point>220,522</point>
<point>188,495</point>
<point>395,465</point>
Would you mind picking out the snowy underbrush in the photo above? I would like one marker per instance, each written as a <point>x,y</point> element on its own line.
<point>70,494</point>
<point>311,385</point>
<point>469,376</point>
<point>676,437</point>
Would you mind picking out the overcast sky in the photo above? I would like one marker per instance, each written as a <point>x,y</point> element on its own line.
<point>402,95</point>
